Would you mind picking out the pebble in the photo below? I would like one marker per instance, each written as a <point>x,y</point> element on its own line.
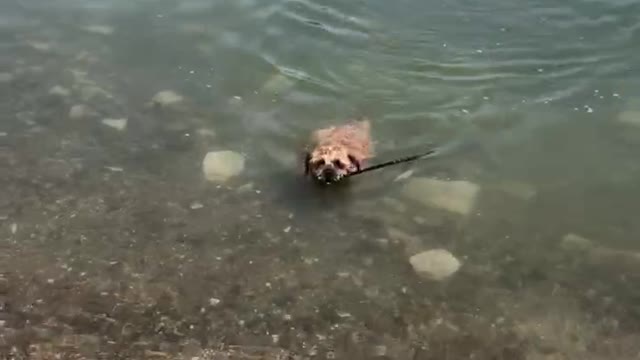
<point>167,98</point>
<point>437,264</point>
<point>196,205</point>
<point>455,196</point>
<point>220,166</point>
<point>100,29</point>
<point>576,243</point>
<point>40,46</point>
<point>5,77</point>
<point>118,124</point>
<point>59,91</point>
<point>79,112</point>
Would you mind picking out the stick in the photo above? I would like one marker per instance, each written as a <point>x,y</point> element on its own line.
<point>395,162</point>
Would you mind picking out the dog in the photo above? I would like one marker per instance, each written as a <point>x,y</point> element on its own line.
<point>338,151</point>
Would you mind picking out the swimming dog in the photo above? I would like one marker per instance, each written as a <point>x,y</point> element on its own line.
<point>336,152</point>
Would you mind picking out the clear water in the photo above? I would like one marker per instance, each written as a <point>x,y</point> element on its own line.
<point>114,246</point>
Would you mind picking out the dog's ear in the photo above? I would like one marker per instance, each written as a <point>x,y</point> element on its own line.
<point>307,160</point>
<point>355,162</point>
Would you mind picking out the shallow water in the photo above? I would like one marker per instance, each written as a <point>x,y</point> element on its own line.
<point>113,244</point>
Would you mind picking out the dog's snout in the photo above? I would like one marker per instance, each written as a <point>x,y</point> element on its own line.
<point>328,174</point>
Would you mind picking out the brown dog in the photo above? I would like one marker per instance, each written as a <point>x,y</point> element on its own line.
<point>338,151</point>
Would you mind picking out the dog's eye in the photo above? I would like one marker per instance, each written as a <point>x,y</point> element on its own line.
<point>339,164</point>
<point>320,162</point>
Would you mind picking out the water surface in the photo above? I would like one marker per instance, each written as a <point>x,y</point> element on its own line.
<point>114,245</point>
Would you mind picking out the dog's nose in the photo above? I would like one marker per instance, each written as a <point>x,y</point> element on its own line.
<point>328,174</point>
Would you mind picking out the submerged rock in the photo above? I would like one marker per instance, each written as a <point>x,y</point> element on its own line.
<point>118,124</point>
<point>59,91</point>
<point>99,29</point>
<point>220,166</point>
<point>80,112</point>
<point>455,196</point>
<point>576,243</point>
<point>40,46</point>
<point>437,264</point>
<point>167,98</point>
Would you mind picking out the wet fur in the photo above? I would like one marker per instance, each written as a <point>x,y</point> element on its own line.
<point>343,149</point>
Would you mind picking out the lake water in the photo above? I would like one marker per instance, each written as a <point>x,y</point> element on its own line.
<point>115,245</point>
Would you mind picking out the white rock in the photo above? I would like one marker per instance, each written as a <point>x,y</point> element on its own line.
<point>576,243</point>
<point>5,77</point>
<point>214,301</point>
<point>40,46</point>
<point>118,124</point>
<point>455,196</point>
<point>630,117</point>
<point>167,98</point>
<point>437,264</point>
<point>59,91</point>
<point>79,112</point>
<point>220,166</point>
<point>100,29</point>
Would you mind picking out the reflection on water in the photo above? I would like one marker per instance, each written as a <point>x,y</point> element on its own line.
<point>153,205</point>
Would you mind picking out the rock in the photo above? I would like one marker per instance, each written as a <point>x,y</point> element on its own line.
<point>630,117</point>
<point>99,29</point>
<point>118,124</point>
<point>6,77</point>
<point>220,166</point>
<point>40,46</point>
<point>80,112</point>
<point>576,243</point>
<point>167,98</point>
<point>59,91</point>
<point>437,264</point>
<point>455,196</point>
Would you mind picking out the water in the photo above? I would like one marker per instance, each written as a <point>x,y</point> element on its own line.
<point>114,246</point>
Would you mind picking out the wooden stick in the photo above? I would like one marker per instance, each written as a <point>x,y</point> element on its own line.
<point>395,162</point>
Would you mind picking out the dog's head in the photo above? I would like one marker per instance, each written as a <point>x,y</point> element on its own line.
<point>329,164</point>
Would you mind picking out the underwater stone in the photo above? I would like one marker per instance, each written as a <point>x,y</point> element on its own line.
<point>118,124</point>
<point>577,243</point>
<point>59,91</point>
<point>220,166</point>
<point>437,264</point>
<point>456,196</point>
<point>100,29</point>
<point>79,112</point>
<point>167,98</point>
